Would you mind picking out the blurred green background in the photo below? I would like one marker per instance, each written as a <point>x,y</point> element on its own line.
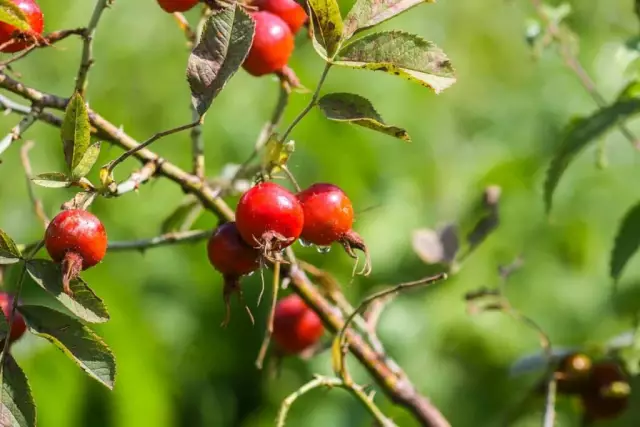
<point>500,124</point>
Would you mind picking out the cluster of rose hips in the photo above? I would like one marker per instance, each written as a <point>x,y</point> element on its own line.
<point>603,386</point>
<point>277,21</point>
<point>269,218</point>
<point>12,39</point>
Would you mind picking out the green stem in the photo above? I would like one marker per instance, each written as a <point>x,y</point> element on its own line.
<point>172,238</point>
<point>267,335</point>
<point>309,106</point>
<point>87,51</point>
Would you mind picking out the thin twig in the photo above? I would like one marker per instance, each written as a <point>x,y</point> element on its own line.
<point>47,40</point>
<point>19,129</point>
<point>341,336</point>
<point>124,156</point>
<point>10,106</point>
<point>166,239</point>
<point>573,63</point>
<point>549,419</point>
<point>26,164</point>
<point>87,50</point>
<point>321,381</point>
<point>136,179</point>
<point>197,146</point>
<point>310,105</point>
<point>186,28</point>
<point>272,314</point>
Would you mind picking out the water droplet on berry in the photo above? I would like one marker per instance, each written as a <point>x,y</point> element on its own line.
<point>304,243</point>
<point>323,249</point>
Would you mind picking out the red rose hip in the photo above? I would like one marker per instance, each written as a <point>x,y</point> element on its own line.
<point>272,45</point>
<point>177,5</point>
<point>19,326</point>
<point>288,10</point>
<point>76,239</point>
<point>295,326</point>
<point>22,39</point>
<point>328,218</point>
<point>269,217</point>
<point>606,393</point>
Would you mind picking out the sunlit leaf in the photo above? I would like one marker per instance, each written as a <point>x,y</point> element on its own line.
<point>626,243</point>
<point>86,162</point>
<point>327,25</point>
<point>276,154</point>
<point>75,131</point>
<point>367,13</point>
<point>9,252</point>
<point>84,303</point>
<point>351,108</point>
<point>76,340</point>
<point>13,15</point>
<point>51,180</point>
<point>581,132</point>
<point>17,406</point>
<point>222,49</point>
<point>401,54</point>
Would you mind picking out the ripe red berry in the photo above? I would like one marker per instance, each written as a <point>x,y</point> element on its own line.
<point>272,45</point>
<point>177,5</point>
<point>606,393</point>
<point>295,326</point>
<point>22,39</point>
<point>76,239</point>
<point>269,216</point>
<point>288,10</point>
<point>229,254</point>
<point>328,217</point>
<point>19,326</point>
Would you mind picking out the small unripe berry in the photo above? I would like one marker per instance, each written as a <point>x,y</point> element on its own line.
<point>606,393</point>
<point>19,326</point>
<point>76,239</point>
<point>269,216</point>
<point>288,10</point>
<point>295,326</point>
<point>272,45</point>
<point>21,40</point>
<point>229,254</point>
<point>177,5</point>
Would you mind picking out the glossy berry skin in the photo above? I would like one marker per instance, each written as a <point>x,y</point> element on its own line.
<point>288,10</point>
<point>177,5</point>
<point>272,45</point>
<point>295,326</point>
<point>19,326</point>
<point>35,19</point>
<point>79,232</point>
<point>573,373</point>
<point>269,216</point>
<point>229,254</point>
<point>328,214</point>
<point>597,404</point>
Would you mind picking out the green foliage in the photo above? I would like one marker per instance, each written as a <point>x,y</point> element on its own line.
<point>86,162</point>
<point>401,54</point>
<point>355,109</point>
<point>84,303</point>
<point>224,45</point>
<point>368,13</point>
<point>52,180</point>
<point>327,26</point>
<point>17,406</point>
<point>9,252</point>
<point>76,340</point>
<point>626,243</point>
<point>580,132</point>
<point>183,216</point>
<point>76,135</point>
<point>13,15</point>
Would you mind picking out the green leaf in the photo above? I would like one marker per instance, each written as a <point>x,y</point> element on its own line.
<point>13,15</point>
<point>75,131</point>
<point>9,251</point>
<point>538,361</point>
<point>367,13</point>
<point>86,162</point>
<point>52,180</point>
<point>222,49</point>
<point>401,54</point>
<point>327,25</point>
<point>85,304</point>
<point>580,132</point>
<point>183,217</point>
<point>627,242</point>
<point>76,340</point>
<point>348,107</point>
<point>17,407</point>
